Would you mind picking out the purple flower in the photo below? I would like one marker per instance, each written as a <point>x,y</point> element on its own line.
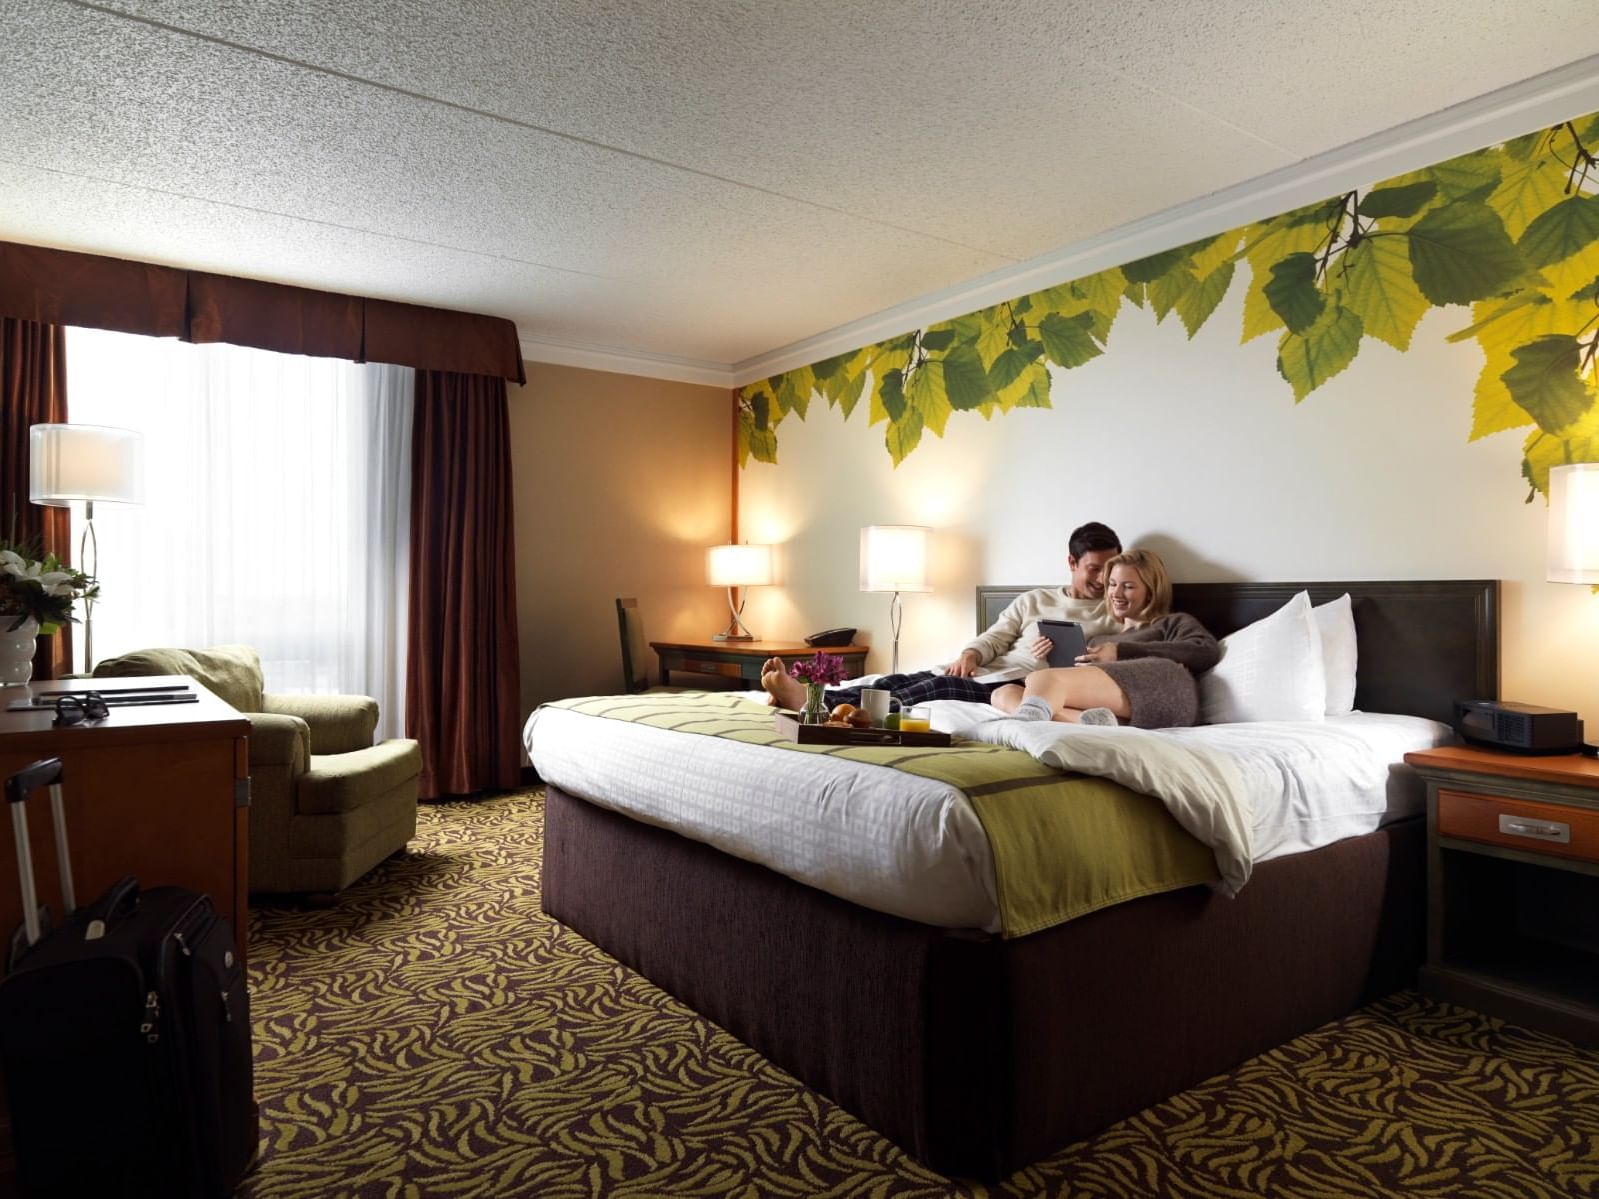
<point>823,669</point>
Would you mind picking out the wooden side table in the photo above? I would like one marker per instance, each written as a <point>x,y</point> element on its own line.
<point>1513,886</point>
<point>741,660</point>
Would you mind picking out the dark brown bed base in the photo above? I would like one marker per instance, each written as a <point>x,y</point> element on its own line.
<point>979,1055</point>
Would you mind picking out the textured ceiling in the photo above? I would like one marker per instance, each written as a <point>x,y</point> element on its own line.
<point>707,180</point>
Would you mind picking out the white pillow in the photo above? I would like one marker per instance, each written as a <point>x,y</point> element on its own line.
<point>1335,621</point>
<point>1270,670</point>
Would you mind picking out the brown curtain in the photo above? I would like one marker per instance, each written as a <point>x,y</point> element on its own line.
<point>463,673</point>
<point>33,390</point>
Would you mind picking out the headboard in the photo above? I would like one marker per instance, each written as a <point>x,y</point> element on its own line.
<point>1422,643</point>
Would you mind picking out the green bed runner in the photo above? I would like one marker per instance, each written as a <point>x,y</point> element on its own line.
<point>1063,844</point>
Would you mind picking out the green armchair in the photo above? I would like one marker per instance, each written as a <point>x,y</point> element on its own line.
<point>326,804</point>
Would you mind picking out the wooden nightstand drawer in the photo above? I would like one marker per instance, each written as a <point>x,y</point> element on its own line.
<point>729,670</point>
<point>1555,829</point>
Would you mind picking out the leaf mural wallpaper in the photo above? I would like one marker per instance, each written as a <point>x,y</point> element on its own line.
<point>1509,231</point>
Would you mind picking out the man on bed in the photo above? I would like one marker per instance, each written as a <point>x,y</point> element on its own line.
<point>1007,650</point>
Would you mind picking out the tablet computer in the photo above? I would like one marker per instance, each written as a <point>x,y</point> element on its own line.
<point>1070,644</point>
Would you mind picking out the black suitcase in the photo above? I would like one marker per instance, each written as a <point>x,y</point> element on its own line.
<point>124,1036</point>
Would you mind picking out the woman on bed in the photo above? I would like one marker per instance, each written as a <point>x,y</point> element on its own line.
<point>1142,675</point>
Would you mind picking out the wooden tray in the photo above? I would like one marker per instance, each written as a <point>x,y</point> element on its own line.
<point>788,724</point>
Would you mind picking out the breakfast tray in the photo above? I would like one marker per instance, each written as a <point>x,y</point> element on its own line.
<point>788,725</point>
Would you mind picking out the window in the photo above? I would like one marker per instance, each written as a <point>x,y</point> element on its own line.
<point>276,513</point>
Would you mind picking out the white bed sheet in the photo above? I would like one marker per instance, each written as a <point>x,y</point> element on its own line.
<point>913,847</point>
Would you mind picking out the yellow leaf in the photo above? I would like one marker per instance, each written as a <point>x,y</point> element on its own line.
<point>1579,443</point>
<point>1223,250</point>
<point>1259,316</point>
<point>1492,409</point>
<point>1527,190</point>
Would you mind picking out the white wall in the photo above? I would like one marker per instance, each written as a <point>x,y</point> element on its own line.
<point>1197,449</point>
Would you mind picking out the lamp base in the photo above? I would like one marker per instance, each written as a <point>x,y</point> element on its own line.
<point>734,637</point>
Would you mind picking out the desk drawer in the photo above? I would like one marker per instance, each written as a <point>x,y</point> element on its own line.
<point>1555,829</point>
<point>729,670</point>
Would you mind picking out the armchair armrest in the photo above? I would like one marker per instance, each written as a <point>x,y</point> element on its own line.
<point>279,741</point>
<point>339,723</point>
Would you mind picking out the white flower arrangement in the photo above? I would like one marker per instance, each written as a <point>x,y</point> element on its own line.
<point>44,588</point>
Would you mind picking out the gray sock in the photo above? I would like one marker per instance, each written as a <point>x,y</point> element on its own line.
<point>1034,708</point>
<point>1098,716</point>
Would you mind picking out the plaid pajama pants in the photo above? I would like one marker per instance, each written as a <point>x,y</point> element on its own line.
<point>919,688</point>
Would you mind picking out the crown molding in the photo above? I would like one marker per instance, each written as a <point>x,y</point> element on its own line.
<point>1497,116</point>
<point>626,362</point>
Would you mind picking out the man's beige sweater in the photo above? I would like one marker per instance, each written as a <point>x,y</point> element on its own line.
<point>1002,647</point>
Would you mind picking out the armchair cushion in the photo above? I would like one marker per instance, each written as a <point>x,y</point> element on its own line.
<point>231,672</point>
<point>347,781</point>
<point>339,723</point>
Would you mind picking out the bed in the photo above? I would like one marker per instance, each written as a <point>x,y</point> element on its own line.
<point>979,1053</point>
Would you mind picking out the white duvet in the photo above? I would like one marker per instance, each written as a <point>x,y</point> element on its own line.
<point>913,847</point>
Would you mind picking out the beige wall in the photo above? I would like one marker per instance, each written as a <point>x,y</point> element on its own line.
<point>620,483</point>
<point>1197,449</point>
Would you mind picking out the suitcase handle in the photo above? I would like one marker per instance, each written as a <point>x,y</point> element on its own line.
<point>122,899</point>
<point>44,773</point>
<point>47,772</point>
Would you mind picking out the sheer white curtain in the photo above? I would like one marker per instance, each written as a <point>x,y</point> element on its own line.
<point>276,511</point>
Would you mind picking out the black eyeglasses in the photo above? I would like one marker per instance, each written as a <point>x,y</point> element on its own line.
<point>76,709</point>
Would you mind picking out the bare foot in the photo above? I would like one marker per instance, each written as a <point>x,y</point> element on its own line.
<point>1007,698</point>
<point>786,691</point>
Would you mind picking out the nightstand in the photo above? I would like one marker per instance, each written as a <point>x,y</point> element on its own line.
<point>741,661</point>
<point>1513,886</point>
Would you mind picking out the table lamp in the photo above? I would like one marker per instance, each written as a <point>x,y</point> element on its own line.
<point>85,464</point>
<point>733,566</point>
<point>894,558</point>
<point>1574,523</point>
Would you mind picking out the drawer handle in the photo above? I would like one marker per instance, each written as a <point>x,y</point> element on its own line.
<point>1543,830</point>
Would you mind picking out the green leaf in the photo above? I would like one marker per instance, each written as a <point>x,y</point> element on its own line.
<point>1520,299</point>
<point>903,435</point>
<point>1561,231</point>
<point>965,380</point>
<point>1405,200</point>
<point>1216,253</point>
<point>761,410</point>
<point>831,368</point>
<point>1321,213</point>
<point>849,393</point>
<point>892,393</point>
<point>1460,253</point>
<point>937,340</point>
<point>1165,292</point>
<point>1146,270</point>
<point>794,391</point>
<point>1068,340</point>
<point>1135,293</point>
<point>987,331</point>
<point>1580,443</point>
<point>1195,305</point>
<point>1309,359</point>
<point>1292,292</point>
<point>1102,291</point>
<point>1378,289</point>
<point>1545,383</point>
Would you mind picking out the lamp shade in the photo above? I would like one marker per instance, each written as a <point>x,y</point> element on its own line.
<point>738,565</point>
<point>894,558</point>
<point>91,463</point>
<point>1574,523</point>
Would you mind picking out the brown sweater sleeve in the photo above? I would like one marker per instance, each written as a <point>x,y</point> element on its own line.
<point>1177,636</point>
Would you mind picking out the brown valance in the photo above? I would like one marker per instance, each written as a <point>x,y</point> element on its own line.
<point>442,340</point>
<point>272,316</point>
<point>60,287</point>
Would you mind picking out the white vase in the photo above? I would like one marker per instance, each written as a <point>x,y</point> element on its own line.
<point>17,648</point>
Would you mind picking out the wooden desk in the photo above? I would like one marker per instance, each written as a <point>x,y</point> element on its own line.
<point>741,660</point>
<point>158,792</point>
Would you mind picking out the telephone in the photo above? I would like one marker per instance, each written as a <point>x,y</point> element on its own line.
<point>828,637</point>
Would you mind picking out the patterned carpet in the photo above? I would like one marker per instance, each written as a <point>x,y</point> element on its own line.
<point>435,1035</point>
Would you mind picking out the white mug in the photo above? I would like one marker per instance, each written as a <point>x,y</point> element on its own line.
<point>875,702</point>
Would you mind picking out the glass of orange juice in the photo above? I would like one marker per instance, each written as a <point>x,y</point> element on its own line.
<point>917,720</point>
